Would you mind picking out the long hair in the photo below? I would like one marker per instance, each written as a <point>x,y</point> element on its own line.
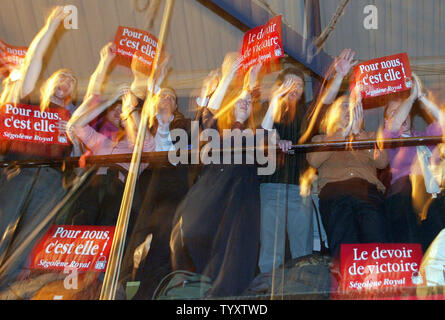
<point>100,121</point>
<point>226,116</point>
<point>47,89</point>
<point>177,115</point>
<point>331,121</point>
<point>289,112</point>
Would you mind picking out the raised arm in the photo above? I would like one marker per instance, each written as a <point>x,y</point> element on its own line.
<point>429,105</point>
<point>274,106</point>
<point>32,65</point>
<point>343,65</point>
<point>131,116</point>
<point>140,79</point>
<point>403,111</point>
<point>90,107</point>
<point>355,114</point>
<point>107,55</point>
<point>227,77</point>
<point>251,79</point>
<point>209,85</point>
<point>21,81</point>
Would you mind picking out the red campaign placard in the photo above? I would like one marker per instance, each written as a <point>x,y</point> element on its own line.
<point>81,247</point>
<point>28,123</point>
<point>383,76</point>
<point>11,56</point>
<point>130,41</point>
<point>263,44</point>
<point>374,266</point>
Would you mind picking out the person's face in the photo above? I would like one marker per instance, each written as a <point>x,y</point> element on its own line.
<point>113,115</point>
<point>392,107</point>
<point>295,95</point>
<point>166,104</point>
<point>243,107</point>
<point>64,86</point>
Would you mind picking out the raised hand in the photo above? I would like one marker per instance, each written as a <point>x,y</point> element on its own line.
<point>108,52</point>
<point>158,77</point>
<point>344,62</point>
<point>358,118</point>
<point>441,148</point>
<point>162,71</point>
<point>285,88</point>
<point>62,126</point>
<point>236,66</point>
<point>254,72</point>
<point>417,88</point>
<point>123,89</point>
<point>57,15</point>
<point>274,111</point>
<point>210,83</point>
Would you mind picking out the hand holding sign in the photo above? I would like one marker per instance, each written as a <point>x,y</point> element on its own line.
<point>263,44</point>
<point>382,77</point>
<point>108,52</point>
<point>132,43</point>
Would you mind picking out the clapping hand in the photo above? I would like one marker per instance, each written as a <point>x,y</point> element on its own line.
<point>417,88</point>
<point>283,89</point>
<point>210,83</point>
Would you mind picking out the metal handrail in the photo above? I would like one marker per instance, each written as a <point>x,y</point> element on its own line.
<point>161,157</point>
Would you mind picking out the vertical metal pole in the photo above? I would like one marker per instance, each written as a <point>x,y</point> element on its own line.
<point>313,20</point>
<point>110,283</point>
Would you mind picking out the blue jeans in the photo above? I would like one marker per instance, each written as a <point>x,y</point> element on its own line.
<point>282,208</point>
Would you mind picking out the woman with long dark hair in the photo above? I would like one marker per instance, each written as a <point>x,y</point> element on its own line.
<point>220,216</point>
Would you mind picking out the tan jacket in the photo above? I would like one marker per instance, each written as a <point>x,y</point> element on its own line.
<point>336,166</point>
